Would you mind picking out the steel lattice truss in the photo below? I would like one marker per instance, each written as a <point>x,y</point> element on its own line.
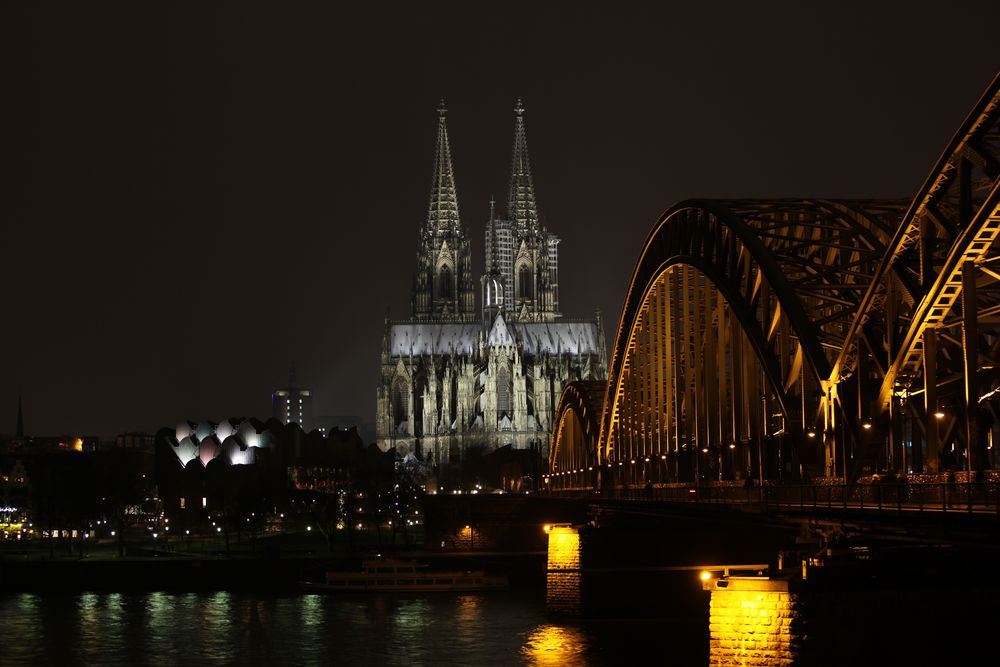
<point>799,333</point>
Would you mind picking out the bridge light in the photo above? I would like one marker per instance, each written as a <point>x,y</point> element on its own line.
<point>646,459</point>
<point>706,575</point>
<point>810,433</point>
<point>704,450</point>
<point>732,445</point>
<point>663,457</point>
<point>632,461</point>
<point>866,424</point>
<point>939,414</point>
<point>590,468</point>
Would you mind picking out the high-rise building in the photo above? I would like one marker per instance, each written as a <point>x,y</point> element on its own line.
<point>452,378</point>
<point>292,404</point>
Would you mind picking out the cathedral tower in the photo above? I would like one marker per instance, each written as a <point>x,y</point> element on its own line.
<point>452,379</point>
<point>443,287</point>
<point>525,252</point>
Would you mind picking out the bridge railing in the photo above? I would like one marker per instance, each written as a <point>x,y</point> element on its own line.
<point>967,497</point>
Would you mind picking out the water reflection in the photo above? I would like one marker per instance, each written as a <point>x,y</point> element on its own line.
<point>555,645</point>
<point>228,628</point>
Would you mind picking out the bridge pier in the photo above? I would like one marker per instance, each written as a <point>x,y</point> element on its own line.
<point>563,578</point>
<point>753,621</point>
<point>627,565</point>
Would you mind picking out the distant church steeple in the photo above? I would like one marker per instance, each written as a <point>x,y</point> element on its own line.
<point>20,419</point>
<point>443,285</point>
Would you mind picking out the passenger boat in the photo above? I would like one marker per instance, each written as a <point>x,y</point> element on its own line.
<point>398,576</point>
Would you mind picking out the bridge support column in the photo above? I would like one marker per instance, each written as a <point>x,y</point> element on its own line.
<point>563,575</point>
<point>932,460</point>
<point>753,621</point>
<point>970,345</point>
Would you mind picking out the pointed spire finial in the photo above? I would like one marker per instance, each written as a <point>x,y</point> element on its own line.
<point>521,206</point>
<point>20,419</point>
<point>494,260</point>
<point>442,213</point>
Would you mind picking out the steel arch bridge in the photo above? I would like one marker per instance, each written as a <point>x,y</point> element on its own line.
<point>779,339</point>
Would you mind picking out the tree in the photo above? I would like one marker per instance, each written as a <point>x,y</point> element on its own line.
<point>123,489</point>
<point>65,494</point>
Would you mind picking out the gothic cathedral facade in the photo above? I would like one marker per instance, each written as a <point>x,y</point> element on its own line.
<point>454,376</point>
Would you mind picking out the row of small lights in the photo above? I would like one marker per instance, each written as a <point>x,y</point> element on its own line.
<point>810,433</point>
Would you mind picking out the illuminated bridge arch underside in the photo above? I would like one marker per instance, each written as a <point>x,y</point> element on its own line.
<point>573,452</point>
<point>733,294</point>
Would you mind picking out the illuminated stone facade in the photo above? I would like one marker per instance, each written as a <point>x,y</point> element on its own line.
<point>452,377</point>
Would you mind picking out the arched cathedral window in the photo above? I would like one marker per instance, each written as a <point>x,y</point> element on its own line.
<point>494,292</point>
<point>503,392</point>
<point>524,283</point>
<point>400,401</point>
<point>445,283</point>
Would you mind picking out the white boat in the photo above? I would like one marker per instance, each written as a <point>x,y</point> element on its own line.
<point>398,576</point>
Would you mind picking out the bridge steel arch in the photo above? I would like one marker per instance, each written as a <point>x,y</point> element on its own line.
<point>734,314</point>
<point>777,338</point>
<point>573,453</point>
<point>923,350</point>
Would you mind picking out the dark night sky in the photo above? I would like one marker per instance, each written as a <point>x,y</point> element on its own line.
<point>198,195</point>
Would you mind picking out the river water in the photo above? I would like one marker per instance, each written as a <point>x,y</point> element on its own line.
<point>508,628</point>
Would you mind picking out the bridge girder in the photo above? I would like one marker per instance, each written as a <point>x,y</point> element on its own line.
<point>573,451</point>
<point>719,282</point>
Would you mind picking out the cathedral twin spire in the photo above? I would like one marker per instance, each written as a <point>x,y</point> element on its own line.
<point>521,207</point>
<point>521,264</point>
<point>442,213</point>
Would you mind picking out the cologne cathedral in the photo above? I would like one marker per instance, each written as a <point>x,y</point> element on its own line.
<point>455,376</point>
